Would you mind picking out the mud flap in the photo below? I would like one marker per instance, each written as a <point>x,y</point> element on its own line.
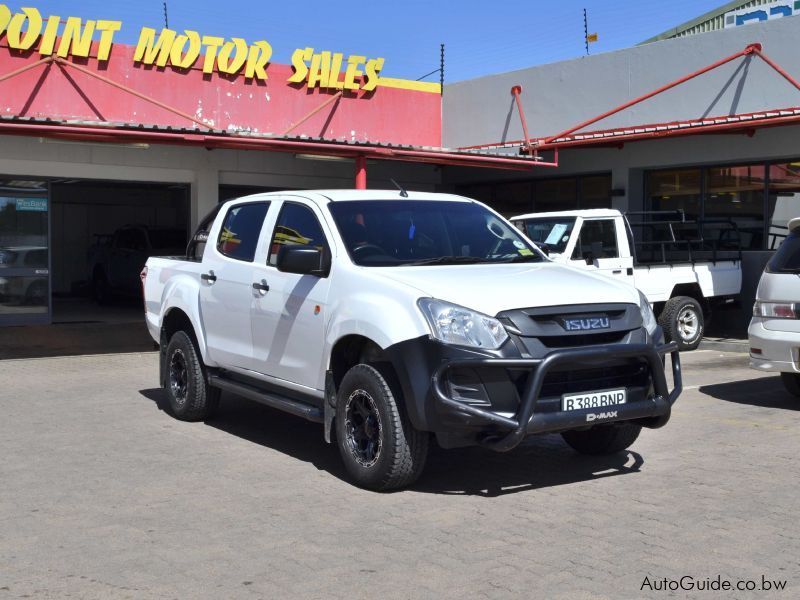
<point>162,360</point>
<point>330,404</point>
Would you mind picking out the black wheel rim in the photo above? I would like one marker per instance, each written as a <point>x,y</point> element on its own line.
<point>178,377</point>
<point>363,428</point>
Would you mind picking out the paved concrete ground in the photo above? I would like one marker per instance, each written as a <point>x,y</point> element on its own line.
<point>103,495</point>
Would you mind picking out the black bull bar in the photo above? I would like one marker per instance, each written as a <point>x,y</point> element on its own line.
<point>654,410</point>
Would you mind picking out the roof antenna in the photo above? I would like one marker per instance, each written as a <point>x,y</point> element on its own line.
<point>403,192</point>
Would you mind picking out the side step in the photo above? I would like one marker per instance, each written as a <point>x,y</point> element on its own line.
<point>299,409</point>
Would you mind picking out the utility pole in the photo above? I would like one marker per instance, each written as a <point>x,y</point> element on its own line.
<point>585,31</point>
<point>166,17</point>
<point>441,69</point>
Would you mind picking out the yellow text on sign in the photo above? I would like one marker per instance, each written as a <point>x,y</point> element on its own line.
<point>25,29</point>
<point>182,51</point>
<point>324,69</point>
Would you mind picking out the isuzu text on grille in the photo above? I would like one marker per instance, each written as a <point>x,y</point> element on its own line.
<point>586,324</point>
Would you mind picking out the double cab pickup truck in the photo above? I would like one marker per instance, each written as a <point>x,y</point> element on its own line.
<point>397,318</point>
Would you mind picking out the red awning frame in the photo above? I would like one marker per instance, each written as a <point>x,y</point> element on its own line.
<point>746,123</point>
<point>211,138</point>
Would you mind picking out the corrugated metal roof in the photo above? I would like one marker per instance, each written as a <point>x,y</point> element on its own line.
<point>119,132</point>
<point>740,121</point>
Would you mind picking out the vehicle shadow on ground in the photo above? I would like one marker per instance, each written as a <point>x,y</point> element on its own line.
<point>767,392</point>
<point>539,462</point>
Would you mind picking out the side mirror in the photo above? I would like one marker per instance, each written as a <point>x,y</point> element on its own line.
<point>302,260</point>
<point>543,247</point>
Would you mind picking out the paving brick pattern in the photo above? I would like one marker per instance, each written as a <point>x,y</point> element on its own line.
<point>103,495</point>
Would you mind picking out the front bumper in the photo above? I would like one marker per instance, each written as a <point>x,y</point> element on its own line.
<point>503,432</point>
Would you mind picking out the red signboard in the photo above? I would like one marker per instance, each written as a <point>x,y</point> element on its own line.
<point>387,114</point>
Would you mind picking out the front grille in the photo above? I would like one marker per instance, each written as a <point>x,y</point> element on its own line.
<point>557,383</point>
<point>587,339</point>
<point>635,374</point>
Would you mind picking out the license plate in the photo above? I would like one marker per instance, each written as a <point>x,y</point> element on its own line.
<point>593,399</point>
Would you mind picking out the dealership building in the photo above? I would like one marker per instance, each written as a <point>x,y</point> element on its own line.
<point>96,136</point>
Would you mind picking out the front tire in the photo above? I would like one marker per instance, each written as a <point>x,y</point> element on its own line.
<point>379,446</point>
<point>190,396</point>
<point>603,439</point>
<point>791,381</point>
<point>682,322</point>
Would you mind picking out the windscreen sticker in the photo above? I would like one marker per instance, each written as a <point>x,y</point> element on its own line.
<point>525,252</point>
<point>519,244</point>
<point>556,233</point>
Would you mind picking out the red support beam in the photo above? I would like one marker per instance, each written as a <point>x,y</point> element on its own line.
<point>297,124</point>
<point>361,172</point>
<point>551,143</point>
<point>751,49</point>
<point>12,74</point>
<point>516,91</point>
<point>65,63</point>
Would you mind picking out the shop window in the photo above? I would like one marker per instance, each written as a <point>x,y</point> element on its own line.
<point>555,194</point>
<point>783,200</point>
<point>595,191</point>
<point>297,226</point>
<point>733,212</point>
<point>675,189</point>
<point>239,236</point>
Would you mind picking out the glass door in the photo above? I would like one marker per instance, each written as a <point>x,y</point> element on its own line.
<point>24,253</point>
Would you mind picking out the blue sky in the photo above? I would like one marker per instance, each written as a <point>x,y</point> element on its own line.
<point>481,37</point>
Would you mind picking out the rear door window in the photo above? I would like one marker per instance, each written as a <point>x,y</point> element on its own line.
<point>787,258</point>
<point>238,237</point>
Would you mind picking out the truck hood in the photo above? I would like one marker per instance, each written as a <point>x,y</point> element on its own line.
<point>491,289</point>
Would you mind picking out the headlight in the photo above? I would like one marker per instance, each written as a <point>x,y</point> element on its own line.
<point>648,317</point>
<point>453,324</point>
<point>775,310</point>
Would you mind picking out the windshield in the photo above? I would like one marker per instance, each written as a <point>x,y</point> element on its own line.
<point>416,232</point>
<point>787,258</point>
<point>551,231</point>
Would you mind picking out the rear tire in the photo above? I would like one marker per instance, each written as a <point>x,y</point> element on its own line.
<point>190,396</point>
<point>791,381</point>
<point>603,439</point>
<point>682,322</point>
<point>379,446</point>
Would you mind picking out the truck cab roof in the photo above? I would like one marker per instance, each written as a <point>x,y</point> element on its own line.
<point>345,195</point>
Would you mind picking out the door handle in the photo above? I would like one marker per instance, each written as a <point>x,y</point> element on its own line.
<point>209,277</point>
<point>617,271</point>
<point>262,287</point>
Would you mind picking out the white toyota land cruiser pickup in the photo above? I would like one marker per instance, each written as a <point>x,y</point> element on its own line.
<point>393,317</point>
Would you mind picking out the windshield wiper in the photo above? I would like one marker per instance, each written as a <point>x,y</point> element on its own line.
<point>520,258</point>
<point>446,260</point>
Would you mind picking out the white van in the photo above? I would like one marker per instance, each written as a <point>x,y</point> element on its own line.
<point>774,331</point>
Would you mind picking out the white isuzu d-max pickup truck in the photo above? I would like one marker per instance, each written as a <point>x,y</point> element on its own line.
<point>393,318</point>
